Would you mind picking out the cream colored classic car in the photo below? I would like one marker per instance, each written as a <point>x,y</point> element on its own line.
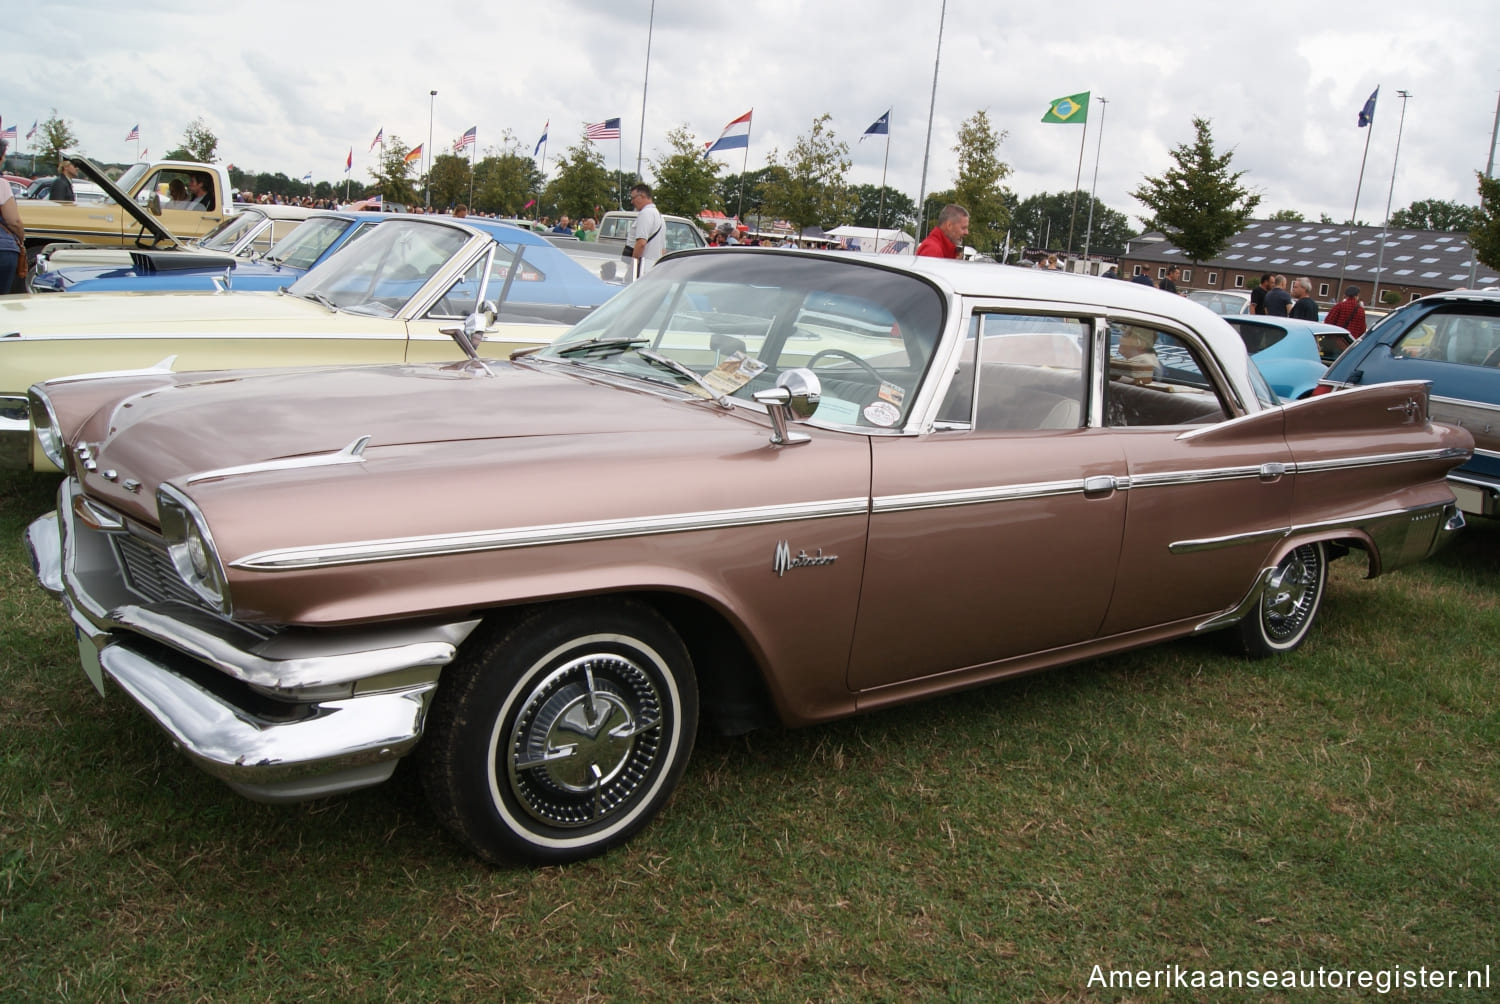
<point>385,298</point>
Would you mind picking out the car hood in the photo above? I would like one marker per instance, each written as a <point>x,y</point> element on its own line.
<point>88,315</point>
<point>153,226</point>
<point>218,421</point>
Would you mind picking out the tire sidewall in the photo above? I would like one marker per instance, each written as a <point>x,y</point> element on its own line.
<point>1255,634</point>
<point>512,669</point>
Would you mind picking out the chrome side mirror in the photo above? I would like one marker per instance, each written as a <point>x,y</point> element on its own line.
<point>796,395</point>
<point>155,204</point>
<point>472,332</point>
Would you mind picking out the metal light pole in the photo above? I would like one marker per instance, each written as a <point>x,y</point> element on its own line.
<point>1386,229</point>
<point>427,181</point>
<point>1489,172</point>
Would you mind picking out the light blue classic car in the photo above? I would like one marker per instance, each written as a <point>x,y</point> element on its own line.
<point>1291,354</point>
<point>272,267</point>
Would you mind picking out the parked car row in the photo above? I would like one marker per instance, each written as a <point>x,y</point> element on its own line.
<point>755,486</point>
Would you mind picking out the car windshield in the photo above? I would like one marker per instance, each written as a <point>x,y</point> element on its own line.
<point>132,174</point>
<point>378,274</point>
<point>738,320</point>
<point>304,245</point>
<point>231,229</point>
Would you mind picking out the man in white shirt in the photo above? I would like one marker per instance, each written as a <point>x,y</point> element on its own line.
<point>649,229</point>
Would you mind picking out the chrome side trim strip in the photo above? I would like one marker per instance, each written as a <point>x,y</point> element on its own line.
<point>399,548</point>
<point>1379,460</point>
<point>1164,478</point>
<point>979,496</point>
<point>1273,533</point>
<point>1463,402</point>
<point>354,453</point>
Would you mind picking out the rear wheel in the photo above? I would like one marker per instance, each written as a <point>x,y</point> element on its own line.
<point>1288,603</point>
<point>563,733</point>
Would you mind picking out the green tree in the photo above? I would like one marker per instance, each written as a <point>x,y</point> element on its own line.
<point>450,181</point>
<point>1434,214</point>
<point>685,179</point>
<point>1287,216</point>
<point>977,187</point>
<point>505,179</point>
<point>582,183</point>
<point>393,175</point>
<point>1199,204</point>
<point>53,137</point>
<point>899,210</point>
<point>743,194</point>
<point>1038,220</point>
<point>813,191</point>
<point>1484,235</point>
<point>198,143</point>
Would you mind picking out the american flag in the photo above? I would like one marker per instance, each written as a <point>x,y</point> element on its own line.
<point>33,129</point>
<point>135,133</point>
<point>608,129</point>
<point>895,247</point>
<point>379,138</point>
<point>467,139</point>
<point>9,132</point>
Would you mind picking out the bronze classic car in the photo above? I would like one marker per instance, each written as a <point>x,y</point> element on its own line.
<point>760,485</point>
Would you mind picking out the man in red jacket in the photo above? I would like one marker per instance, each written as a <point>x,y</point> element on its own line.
<point>1349,313</point>
<point>947,238</point>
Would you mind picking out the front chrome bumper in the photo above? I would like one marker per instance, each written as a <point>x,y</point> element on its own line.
<point>279,715</point>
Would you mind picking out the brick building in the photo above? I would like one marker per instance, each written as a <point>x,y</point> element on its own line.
<point>1414,262</point>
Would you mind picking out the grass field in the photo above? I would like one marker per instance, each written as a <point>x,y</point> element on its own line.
<point>1336,808</point>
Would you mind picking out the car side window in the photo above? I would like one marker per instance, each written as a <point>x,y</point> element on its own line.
<point>679,236</point>
<point>1157,378</point>
<point>1020,372</point>
<point>1460,333</point>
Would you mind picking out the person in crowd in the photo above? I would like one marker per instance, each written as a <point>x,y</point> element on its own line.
<point>202,195</point>
<point>649,229</point>
<point>1258,294</point>
<point>62,185</point>
<point>1305,307</point>
<point>1278,302</point>
<point>177,194</point>
<point>12,239</point>
<point>725,234</point>
<point>1111,273</point>
<point>1349,313</point>
<point>947,238</point>
<point>1168,282</point>
<point>1143,278</point>
<point>587,230</point>
<point>562,227</point>
<point>461,211</point>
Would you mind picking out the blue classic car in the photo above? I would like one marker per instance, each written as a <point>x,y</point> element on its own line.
<point>313,239</point>
<point>1292,354</point>
<point>1453,341</point>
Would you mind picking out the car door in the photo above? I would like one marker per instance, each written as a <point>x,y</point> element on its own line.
<point>997,534</point>
<point>1200,487</point>
<point>1456,346</point>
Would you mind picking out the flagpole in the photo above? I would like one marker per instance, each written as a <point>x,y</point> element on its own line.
<point>880,216</point>
<point>1354,214</point>
<point>1093,186</point>
<point>1386,227</point>
<point>1077,178</point>
<point>472,147</point>
<point>640,145</point>
<point>744,165</point>
<point>931,110</point>
<point>619,170</point>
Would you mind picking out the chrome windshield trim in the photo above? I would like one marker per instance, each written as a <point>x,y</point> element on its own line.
<point>400,548</point>
<point>979,496</point>
<point>1379,460</point>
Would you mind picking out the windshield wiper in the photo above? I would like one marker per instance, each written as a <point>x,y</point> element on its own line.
<point>322,298</point>
<point>601,346</point>
<point>667,362</point>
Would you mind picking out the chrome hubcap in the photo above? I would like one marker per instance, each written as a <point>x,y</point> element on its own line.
<point>584,740</point>
<point>1290,592</point>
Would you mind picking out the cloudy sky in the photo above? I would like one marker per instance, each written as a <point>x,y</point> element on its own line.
<point>292,87</point>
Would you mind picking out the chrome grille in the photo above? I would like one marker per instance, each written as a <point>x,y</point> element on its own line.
<point>148,573</point>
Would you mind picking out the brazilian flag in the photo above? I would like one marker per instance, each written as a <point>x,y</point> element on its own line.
<point>1073,108</point>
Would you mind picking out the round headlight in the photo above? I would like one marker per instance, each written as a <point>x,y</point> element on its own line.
<point>48,432</point>
<point>191,547</point>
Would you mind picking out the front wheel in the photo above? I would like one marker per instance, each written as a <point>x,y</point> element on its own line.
<point>563,733</point>
<point>1288,603</point>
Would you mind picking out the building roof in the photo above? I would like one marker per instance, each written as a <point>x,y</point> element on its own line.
<point>1432,258</point>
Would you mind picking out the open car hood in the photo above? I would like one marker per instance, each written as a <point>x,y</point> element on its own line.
<point>151,224</point>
